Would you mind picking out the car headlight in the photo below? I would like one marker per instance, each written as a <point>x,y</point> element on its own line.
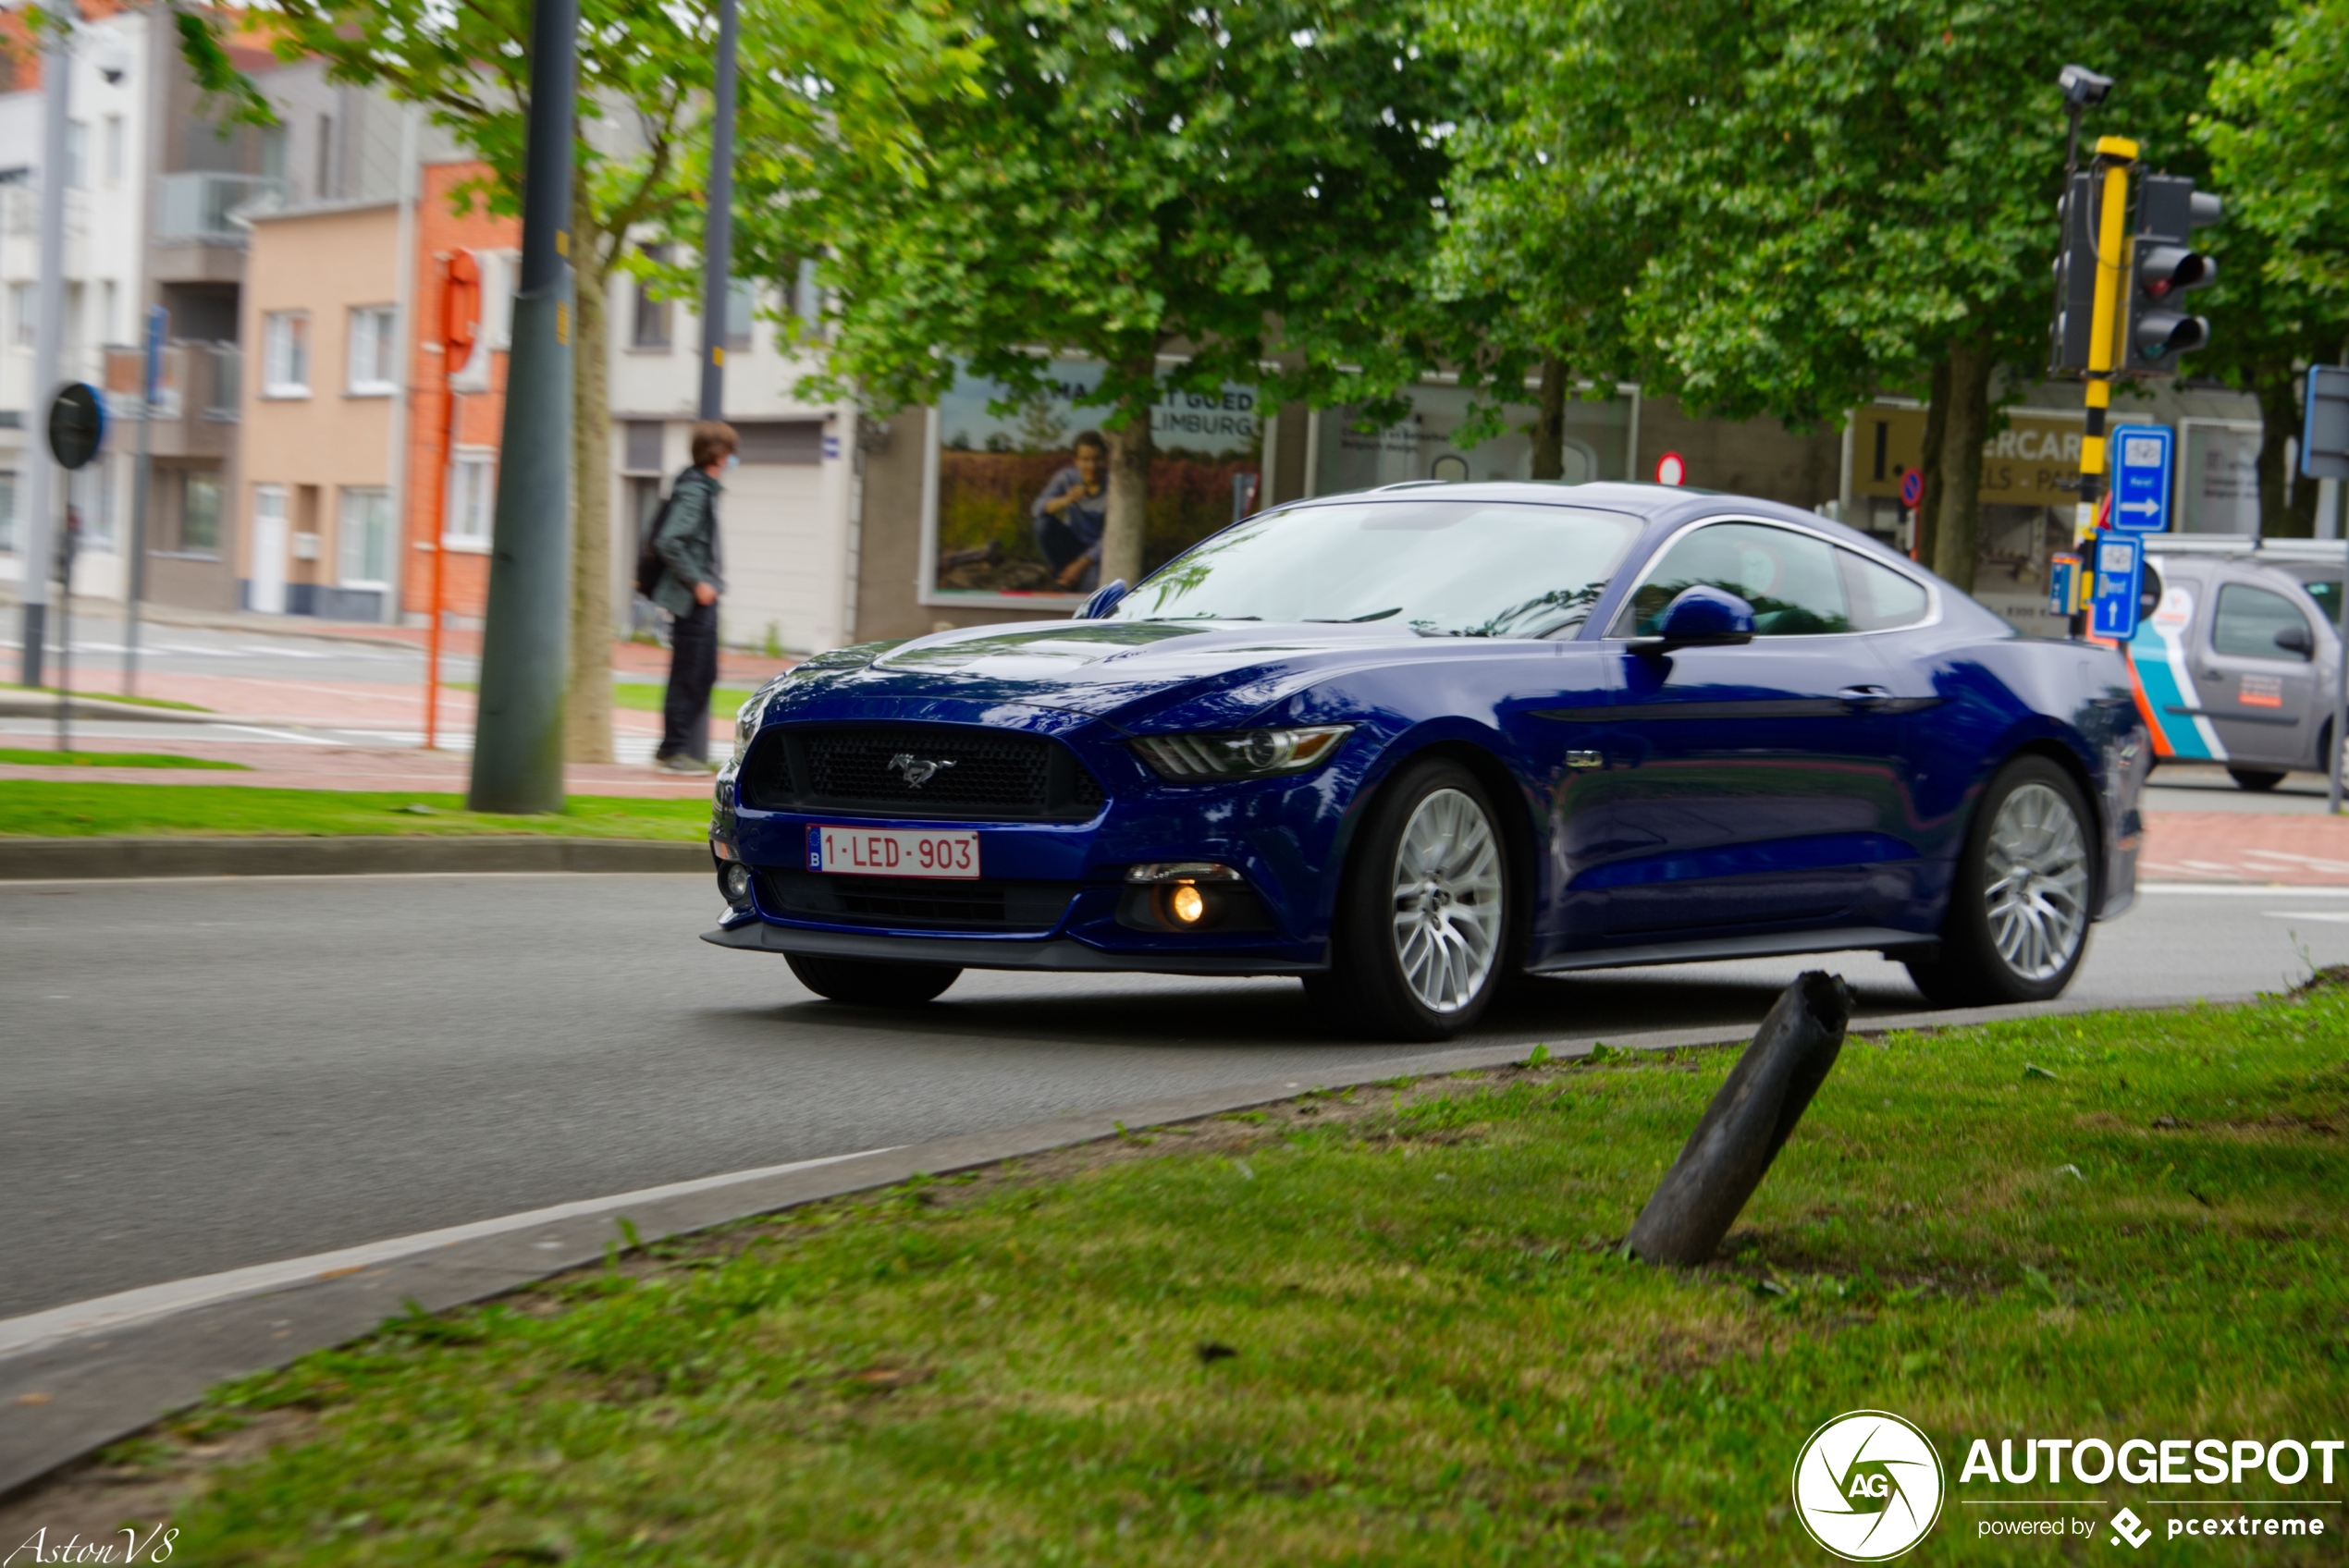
<point>746,723</point>
<point>1239,753</point>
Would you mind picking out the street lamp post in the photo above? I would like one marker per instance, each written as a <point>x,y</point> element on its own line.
<point>48,341</point>
<point>716,251</point>
<point>518,730</point>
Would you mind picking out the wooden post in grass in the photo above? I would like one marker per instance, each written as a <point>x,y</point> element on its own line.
<point>1746,1124</point>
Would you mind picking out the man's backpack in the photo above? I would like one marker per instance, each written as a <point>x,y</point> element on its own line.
<point>649,566</point>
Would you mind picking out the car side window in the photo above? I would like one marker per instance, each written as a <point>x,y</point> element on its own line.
<point>1881,597</point>
<point>2248,619</point>
<point>1790,579</point>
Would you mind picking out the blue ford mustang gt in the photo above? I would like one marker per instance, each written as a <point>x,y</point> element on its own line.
<point>1408,742</point>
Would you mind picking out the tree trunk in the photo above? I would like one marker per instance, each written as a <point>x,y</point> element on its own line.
<point>1129,491</point>
<point>587,709</point>
<point>1958,534</point>
<point>1936,425</point>
<point>2287,503</point>
<point>1549,422</point>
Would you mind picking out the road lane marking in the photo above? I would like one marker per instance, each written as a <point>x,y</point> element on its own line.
<point>2329,916</point>
<point>147,1303</point>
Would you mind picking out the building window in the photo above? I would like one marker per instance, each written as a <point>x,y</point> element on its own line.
<point>473,495</point>
<point>640,450</point>
<point>373,350</point>
<point>366,530</point>
<point>114,149</point>
<point>90,491</point>
<point>77,156</point>
<point>651,327</point>
<point>285,339</point>
<point>200,514</point>
<point>8,509</point>
<point>21,326</point>
<point>741,303</point>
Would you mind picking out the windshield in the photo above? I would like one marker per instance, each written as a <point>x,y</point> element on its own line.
<point>1445,569</point>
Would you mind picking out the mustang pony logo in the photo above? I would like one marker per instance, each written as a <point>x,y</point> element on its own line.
<point>915,771</point>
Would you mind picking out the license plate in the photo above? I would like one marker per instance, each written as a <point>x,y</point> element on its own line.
<point>892,851</point>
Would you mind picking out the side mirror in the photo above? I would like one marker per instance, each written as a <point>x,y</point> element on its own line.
<point>1104,600</point>
<point>2296,640</point>
<point>1699,617</point>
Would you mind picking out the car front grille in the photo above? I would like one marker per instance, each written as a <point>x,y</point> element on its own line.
<point>918,770</point>
<point>916,902</point>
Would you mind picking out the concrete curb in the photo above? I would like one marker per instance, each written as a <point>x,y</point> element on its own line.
<point>31,860</point>
<point>68,1392</point>
<point>33,704</point>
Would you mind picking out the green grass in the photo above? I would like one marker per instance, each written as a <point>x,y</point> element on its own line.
<point>645,696</point>
<point>118,697</point>
<point>2113,1225</point>
<point>47,809</point>
<point>18,756</point>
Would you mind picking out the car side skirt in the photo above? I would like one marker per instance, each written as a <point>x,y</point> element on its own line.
<point>1777,944</point>
<point>1057,954</point>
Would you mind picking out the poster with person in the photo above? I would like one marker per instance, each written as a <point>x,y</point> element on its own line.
<point>1019,494</point>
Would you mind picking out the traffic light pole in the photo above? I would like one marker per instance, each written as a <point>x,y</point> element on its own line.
<point>517,731</point>
<point>2115,155</point>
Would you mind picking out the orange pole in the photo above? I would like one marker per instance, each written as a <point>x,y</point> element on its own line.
<point>438,540</point>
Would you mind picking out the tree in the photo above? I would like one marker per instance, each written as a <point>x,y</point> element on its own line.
<point>2278,134</point>
<point>1544,225</point>
<point>1835,198</point>
<point>1125,180</point>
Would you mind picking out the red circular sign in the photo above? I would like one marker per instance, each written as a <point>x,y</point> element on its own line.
<point>1913,487</point>
<point>1671,468</point>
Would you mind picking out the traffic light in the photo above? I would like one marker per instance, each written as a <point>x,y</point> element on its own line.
<point>2165,266</point>
<point>2075,276</point>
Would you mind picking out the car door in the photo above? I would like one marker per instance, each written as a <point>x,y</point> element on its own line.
<point>2261,695</point>
<point>1746,785</point>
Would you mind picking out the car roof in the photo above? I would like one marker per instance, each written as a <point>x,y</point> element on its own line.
<point>1667,503</point>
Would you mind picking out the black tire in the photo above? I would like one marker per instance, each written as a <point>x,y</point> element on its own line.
<point>1971,969</point>
<point>871,981</point>
<point>1454,935</point>
<point>2259,780</point>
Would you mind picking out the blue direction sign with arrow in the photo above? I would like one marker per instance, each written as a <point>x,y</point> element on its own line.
<point>2142,455</point>
<point>2120,564</point>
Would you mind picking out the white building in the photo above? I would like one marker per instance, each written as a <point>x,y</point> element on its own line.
<point>785,521</point>
<point>110,150</point>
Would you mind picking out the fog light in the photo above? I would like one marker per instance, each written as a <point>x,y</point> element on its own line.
<point>733,881</point>
<point>1186,904</point>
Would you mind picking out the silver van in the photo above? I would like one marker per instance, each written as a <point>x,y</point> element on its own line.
<point>2236,654</point>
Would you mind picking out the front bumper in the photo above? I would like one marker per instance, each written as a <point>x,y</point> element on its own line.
<point>1280,834</point>
<point>1058,953</point>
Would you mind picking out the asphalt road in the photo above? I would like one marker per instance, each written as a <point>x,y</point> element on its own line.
<point>206,1075</point>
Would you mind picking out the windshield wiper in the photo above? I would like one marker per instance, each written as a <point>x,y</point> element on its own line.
<point>1351,619</point>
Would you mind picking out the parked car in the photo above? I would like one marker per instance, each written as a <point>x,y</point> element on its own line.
<point>2238,654</point>
<point>1402,742</point>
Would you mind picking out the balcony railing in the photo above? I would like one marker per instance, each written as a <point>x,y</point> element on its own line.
<point>208,206</point>
<point>195,380</point>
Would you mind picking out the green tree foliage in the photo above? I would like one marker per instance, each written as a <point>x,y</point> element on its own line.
<point>1817,200</point>
<point>1125,179</point>
<point>2278,134</point>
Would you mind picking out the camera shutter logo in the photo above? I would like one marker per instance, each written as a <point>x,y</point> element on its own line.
<point>1868,1486</point>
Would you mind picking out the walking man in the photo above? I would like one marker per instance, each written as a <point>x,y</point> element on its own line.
<point>686,541</point>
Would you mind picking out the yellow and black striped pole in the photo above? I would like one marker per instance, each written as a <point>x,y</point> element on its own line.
<point>2115,156</point>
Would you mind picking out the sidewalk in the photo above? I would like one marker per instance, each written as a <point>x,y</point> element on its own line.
<point>2234,846</point>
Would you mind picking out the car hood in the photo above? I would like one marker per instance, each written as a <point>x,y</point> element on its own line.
<point>1126,671</point>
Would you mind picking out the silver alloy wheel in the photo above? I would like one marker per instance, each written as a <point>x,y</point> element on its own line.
<point>2037,892</point>
<point>1447,900</point>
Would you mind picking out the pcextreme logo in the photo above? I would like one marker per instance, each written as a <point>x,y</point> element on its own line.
<point>1868,1486</point>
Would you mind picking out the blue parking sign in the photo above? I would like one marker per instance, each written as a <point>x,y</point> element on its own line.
<point>2141,462</point>
<point>2120,560</point>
